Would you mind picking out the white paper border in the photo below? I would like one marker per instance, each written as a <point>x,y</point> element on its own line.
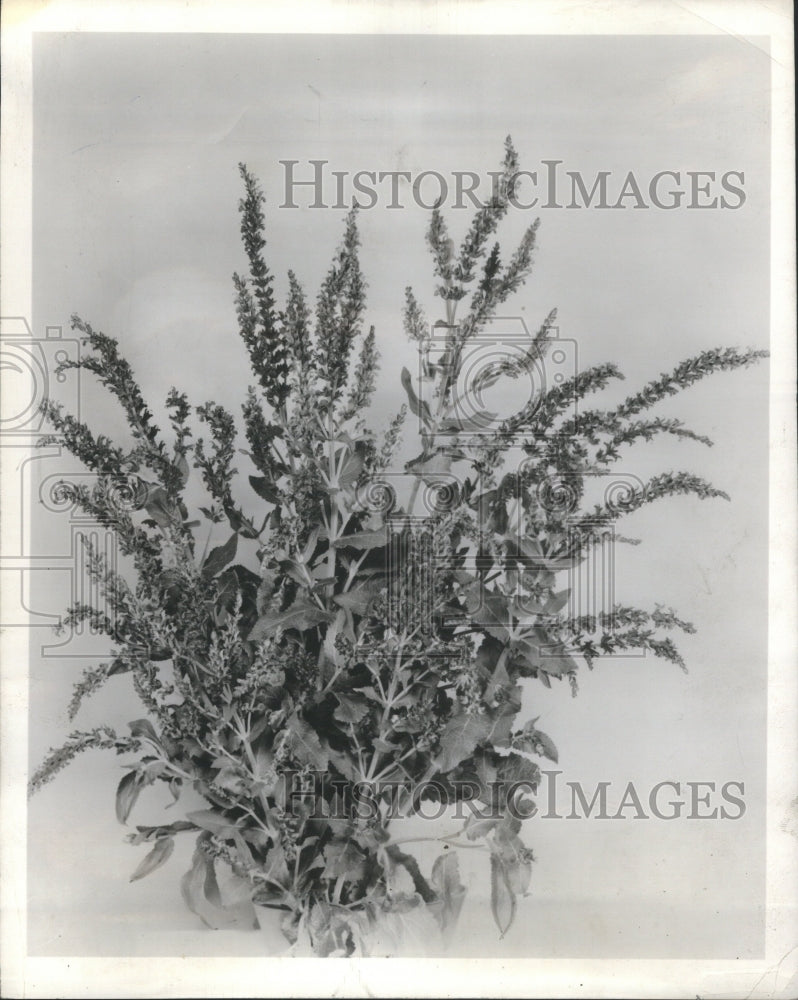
<point>225,977</point>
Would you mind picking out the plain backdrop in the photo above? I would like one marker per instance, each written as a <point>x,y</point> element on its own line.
<point>136,144</point>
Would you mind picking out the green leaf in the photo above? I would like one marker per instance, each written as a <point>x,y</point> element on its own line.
<point>502,897</point>
<point>157,856</point>
<point>219,557</point>
<point>302,615</point>
<point>126,794</point>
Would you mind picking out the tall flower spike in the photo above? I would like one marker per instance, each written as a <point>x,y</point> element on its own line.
<point>258,320</point>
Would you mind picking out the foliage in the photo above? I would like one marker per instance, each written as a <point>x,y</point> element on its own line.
<point>337,642</point>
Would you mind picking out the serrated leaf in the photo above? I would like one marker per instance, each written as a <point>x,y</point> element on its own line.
<point>302,615</point>
<point>303,742</point>
<point>350,709</point>
<point>220,556</point>
<point>265,489</point>
<point>502,897</point>
<point>459,738</point>
<point>157,856</point>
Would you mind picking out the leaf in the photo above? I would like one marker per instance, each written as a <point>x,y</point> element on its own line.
<point>144,728</point>
<point>502,897</point>
<point>201,894</point>
<point>459,739</point>
<point>265,489</point>
<point>219,557</point>
<point>304,743</point>
<point>446,880</point>
<point>126,794</point>
<point>477,422</point>
<point>302,615</point>
<point>359,599</point>
<point>353,465</point>
<point>350,709</point>
<point>160,508</point>
<point>363,540</point>
<point>419,408</point>
<point>207,819</point>
<point>431,465</point>
<point>532,740</point>
<point>344,858</point>
<point>157,856</point>
<point>477,826</point>
<point>557,601</point>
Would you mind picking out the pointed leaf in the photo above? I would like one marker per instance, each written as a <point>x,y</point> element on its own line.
<point>265,489</point>
<point>157,856</point>
<point>302,615</point>
<point>126,794</point>
<point>219,557</point>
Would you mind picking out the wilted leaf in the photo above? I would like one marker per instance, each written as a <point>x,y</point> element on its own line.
<point>451,891</point>
<point>502,897</point>
<point>220,556</point>
<point>201,894</point>
<point>157,856</point>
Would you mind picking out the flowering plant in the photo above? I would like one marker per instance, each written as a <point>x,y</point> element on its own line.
<point>340,657</point>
